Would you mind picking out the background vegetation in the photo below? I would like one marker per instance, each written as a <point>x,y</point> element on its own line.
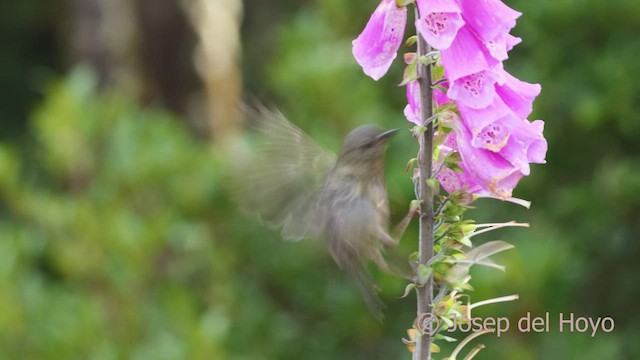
<point>118,238</point>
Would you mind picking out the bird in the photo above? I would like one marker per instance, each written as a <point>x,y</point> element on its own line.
<point>297,185</point>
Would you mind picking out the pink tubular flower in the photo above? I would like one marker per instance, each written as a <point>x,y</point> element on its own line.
<point>439,21</point>
<point>525,145</point>
<point>517,94</point>
<point>490,126</point>
<point>412,110</point>
<point>487,173</point>
<point>377,46</point>
<point>495,140</point>
<point>492,20</point>
<point>488,18</point>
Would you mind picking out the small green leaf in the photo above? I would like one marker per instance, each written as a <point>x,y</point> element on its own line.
<point>466,287</point>
<point>441,88</point>
<point>414,256</point>
<point>410,74</point>
<point>452,161</point>
<point>437,72</point>
<point>434,184</point>
<point>411,40</point>
<point>424,272</point>
<point>462,198</point>
<point>464,241</point>
<point>474,352</point>
<point>404,3</point>
<point>453,158</point>
<point>410,164</point>
<point>444,337</point>
<point>407,290</point>
<point>427,60</point>
<point>414,205</point>
<point>418,130</point>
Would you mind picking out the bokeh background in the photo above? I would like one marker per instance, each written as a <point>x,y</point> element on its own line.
<point>118,239</point>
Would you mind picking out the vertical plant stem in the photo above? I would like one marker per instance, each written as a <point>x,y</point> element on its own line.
<point>425,247</point>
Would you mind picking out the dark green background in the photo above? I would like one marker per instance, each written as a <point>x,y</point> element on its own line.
<point>118,238</point>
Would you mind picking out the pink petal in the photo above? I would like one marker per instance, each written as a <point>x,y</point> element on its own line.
<point>440,96</point>
<point>494,136</point>
<point>511,41</point>
<point>412,110</point>
<point>485,173</point>
<point>466,56</point>
<point>488,169</point>
<point>538,148</point>
<point>452,181</point>
<point>525,145</point>
<point>500,45</point>
<point>478,119</point>
<point>488,18</point>
<point>439,21</point>
<point>517,94</point>
<point>451,141</point>
<point>475,91</point>
<point>377,46</point>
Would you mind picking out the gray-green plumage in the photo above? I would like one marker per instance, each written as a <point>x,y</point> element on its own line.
<point>296,184</point>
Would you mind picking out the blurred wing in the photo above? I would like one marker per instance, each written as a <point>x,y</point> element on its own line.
<point>283,179</point>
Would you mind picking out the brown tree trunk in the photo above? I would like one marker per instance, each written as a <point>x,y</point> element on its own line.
<point>217,23</point>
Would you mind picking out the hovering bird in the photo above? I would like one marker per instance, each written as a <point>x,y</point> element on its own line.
<point>295,184</point>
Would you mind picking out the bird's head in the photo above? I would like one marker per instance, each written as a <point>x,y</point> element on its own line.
<point>364,145</point>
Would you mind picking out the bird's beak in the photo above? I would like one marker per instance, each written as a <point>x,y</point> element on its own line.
<point>387,135</point>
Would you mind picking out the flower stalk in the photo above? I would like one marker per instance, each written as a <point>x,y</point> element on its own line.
<point>426,234</point>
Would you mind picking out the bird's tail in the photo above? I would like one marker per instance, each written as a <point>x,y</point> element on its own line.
<point>367,288</point>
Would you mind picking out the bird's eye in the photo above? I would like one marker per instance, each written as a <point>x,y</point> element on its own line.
<point>367,145</point>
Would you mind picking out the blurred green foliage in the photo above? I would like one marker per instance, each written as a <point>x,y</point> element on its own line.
<point>118,239</point>
<point>106,244</point>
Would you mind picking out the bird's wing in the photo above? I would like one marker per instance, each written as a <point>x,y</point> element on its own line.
<point>282,178</point>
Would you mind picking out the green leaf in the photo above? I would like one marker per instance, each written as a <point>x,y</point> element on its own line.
<point>444,337</point>
<point>414,256</point>
<point>427,60</point>
<point>453,159</point>
<point>418,130</point>
<point>480,255</point>
<point>434,184</point>
<point>441,88</point>
<point>411,40</point>
<point>437,72</point>
<point>414,205</point>
<point>424,272</point>
<point>408,289</point>
<point>474,352</point>
<point>464,241</point>
<point>410,74</point>
<point>410,164</point>
<point>404,3</point>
